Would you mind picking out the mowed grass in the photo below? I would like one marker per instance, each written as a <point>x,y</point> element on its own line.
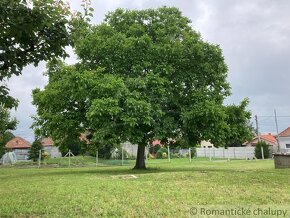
<point>164,190</point>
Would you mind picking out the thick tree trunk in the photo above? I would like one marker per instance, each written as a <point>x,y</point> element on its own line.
<point>140,161</point>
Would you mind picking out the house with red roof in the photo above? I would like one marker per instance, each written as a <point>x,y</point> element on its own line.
<point>267,138</point>
<point>20,146</point>
<point>284,140</point>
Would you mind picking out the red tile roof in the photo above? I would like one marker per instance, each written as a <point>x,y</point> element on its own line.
<point>47,142</point>
<point>269,137</point>
<point>18,142</point>
<point>285,133</point>
<point>156,142</point>
<point>266,137</point>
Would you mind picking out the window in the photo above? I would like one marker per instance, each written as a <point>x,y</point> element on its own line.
<point>287,145</point>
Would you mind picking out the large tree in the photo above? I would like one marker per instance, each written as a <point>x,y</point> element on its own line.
<point>31,31</point>
<point>143,75</point>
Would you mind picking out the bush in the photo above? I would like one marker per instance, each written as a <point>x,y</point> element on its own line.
<point>164,155</point>
<point>175,155</point>
<point>33,153</point>
<point>45,155</point>
<point>258,152</point>
<point>7,136</point>
<point>159,154</point>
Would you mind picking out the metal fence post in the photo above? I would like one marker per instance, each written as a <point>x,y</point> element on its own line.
<point>122,156</point>
<point>168,151</point>
<point>97,157</point>
<point>234,153</point>
<point>69,158</point>
<point>189,154</point>
<point>39,158</point>
<point>262,150</point>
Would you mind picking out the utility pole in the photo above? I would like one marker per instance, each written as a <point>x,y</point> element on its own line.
<point>279,148</point>
<point>257,127</point>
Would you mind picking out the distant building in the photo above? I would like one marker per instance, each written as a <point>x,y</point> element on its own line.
<point>20,147</point>
<point>284,140</point>
<point>206,144</point>
<point>48,146</point>
<point>268,138</point>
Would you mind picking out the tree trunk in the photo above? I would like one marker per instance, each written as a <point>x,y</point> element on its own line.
<point>140,161</point>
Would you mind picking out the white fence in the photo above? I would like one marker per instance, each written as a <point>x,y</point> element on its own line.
<point>231,152</point>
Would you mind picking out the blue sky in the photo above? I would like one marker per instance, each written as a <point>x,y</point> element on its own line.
<point>254,37</point>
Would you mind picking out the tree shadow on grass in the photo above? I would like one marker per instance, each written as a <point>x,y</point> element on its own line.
<point>125,170</point>
<point>105,171</point>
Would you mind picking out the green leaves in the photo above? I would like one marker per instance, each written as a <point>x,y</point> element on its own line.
<point>142,75</point>
<point>6,123</point>
<point>30,33</point>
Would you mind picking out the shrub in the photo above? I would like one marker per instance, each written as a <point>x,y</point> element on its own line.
<point>45,155</point>
<point>174,155</point>
<point>160,152</point>
<point>258,152</point>
<point>33,153</point>
<point>3,140</point>
<point>164,155</point>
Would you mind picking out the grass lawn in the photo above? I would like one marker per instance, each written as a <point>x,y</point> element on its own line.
<point>164,190</point>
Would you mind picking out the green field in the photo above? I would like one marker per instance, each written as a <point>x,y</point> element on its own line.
<point>164,190</point>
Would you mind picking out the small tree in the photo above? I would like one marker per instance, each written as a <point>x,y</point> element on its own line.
<point>258,152</point>
<point>7,136</point>
<point>33,153</point>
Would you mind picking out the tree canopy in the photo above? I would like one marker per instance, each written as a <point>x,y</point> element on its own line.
<point>31,31</point>
<point>142,75</point>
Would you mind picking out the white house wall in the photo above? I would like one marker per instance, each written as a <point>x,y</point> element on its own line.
<point>131,149</point>
<point>21,154</point>
<point>283,141</point>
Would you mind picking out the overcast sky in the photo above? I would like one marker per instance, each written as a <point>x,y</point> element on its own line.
<point>255,39</point>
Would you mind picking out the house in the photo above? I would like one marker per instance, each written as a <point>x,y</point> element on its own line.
<point>206,144</point>
<point>48,146</point>
<point>267,138</point>
<point>284,140</point>
<point>20,147</point>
